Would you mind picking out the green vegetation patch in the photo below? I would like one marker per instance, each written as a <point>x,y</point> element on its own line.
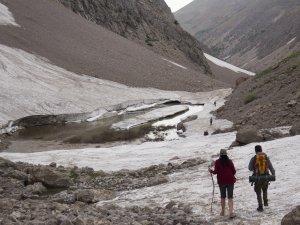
<point>251,96</point>
<point>282,63</point>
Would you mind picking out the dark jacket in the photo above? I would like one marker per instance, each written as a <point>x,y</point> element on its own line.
<point>251,165</point>
<point>225,174</point>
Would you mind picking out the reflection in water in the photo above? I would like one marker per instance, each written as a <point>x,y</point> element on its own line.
<point>87,132</point>
<point>81,135</point>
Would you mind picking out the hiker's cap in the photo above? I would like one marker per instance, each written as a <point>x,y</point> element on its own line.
<point>223,152</point>
<point>258,148</point>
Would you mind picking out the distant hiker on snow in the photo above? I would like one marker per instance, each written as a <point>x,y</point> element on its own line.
<point>215,103</point>
<point>260,164</point>
<point>211,120</point>
<point>225,170</point>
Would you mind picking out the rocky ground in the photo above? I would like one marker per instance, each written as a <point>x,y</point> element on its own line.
<point>58,195</point>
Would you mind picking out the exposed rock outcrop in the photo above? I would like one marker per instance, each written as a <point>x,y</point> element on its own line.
<point>295,130</point>
<point>147,22</point>
<point>50,177</point>
<point>292,218</point>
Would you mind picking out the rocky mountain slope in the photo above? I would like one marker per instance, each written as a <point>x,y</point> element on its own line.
<point>270,99</point>
<point>250,34</point>
<point>146,22</point>
<point>48,29</point>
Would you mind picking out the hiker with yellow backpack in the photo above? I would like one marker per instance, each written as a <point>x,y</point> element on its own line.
<point>260,164</point>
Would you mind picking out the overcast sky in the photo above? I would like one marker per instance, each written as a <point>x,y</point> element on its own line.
<point>177,4</point>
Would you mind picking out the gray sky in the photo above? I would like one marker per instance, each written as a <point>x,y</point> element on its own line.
<point>177,4</point>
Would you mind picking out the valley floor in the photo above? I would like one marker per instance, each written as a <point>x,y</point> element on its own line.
<point>193,186</point>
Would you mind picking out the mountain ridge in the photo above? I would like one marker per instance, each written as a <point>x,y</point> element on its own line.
<point>50,30</point>
<point>250,34</point>
<point>146,22</point>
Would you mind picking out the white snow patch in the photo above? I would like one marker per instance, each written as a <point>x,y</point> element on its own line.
<point>149,116</point>
<point>227,65</point>
<point>30,85</point>
<point>292,40</point>
<point>6,17</point>
<point>141,107</point>
<point>278,17</point>
<point>282,130</point>
<point>94,118</point>
<point>9,128</point>
<point>174,63</point>
<point>174,121</point>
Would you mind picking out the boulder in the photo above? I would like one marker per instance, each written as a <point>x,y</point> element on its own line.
<point>158,179</point>
<point>170,205</point>
<point>37,188</point>
<point>84,196</point>
<point>292,103</point>
<point>78,221</point>
<point>64,220</point>
<point>295,130</point>
<point>64,197</point>
<point>19,175</point>
<point>51,178</point>
<point>180,126</point>
<point>53,164</point>
<point>292,218</point>
<point>247,135</point>
<point>4,163</point>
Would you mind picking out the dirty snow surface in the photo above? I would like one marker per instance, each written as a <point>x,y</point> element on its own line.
<point>194,185</point>
<point>227,65</point>
<point>6,17</point>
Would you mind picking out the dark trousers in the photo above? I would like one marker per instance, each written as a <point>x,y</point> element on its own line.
<point>261,187</point>
<point>226,189</point>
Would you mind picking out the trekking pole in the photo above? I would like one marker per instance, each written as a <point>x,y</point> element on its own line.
<point>213,192</point>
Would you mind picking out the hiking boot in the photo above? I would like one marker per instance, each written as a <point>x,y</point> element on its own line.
<point>260,208</point>
<point>232,215</point>
<point>266,203</point>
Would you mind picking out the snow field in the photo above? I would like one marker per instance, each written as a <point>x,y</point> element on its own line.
<point>6,17</point>
<point>227,65</point>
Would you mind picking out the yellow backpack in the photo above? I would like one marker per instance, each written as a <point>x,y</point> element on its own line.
<point>261,164</point>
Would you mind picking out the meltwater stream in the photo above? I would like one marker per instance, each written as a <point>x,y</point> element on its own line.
<point>94,134</point>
